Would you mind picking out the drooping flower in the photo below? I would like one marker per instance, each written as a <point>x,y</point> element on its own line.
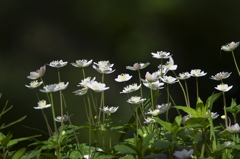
<point>61,86</point>
<point>137,66</point>
<point>49,88</point>
<point>39,73</point>
<point>58,64</point>
<point>136,100</point>
<point>97,86</point>
<point>109,110</point>
<point>123,77</point>
<point>221,75</point>
<point>151,77</point>
<point>170,64</point>
<point>230,46</point>
<point>82,63</point>
<point>149,120</point>
<point>131,88</point>
<point>34,84</point>
<point>197,73</point>
<point>85,81</point>
<point>184,75</point>
<point>63,118</point>
<point>223,87</point>
<point>184,154</point>
<point>163,107</point>
<point>234,128</point>
<point>42,104</point>
<point>81,92</point>
<point>161,55</point>
<point>154,85</point>
<point>168,79</point>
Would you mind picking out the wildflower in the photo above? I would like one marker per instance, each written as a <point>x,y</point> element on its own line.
<point>62,118</point>
<point>104,64</point>
<point>149,121</point>
<point>161,55</point>
<point>230,47</point>
<point>131,88</point>
<point>170,64</point>
<point>154,86</point>
<point>42,104</point>
<point>34,84</point>
<point>197,73</point>
<point>227,143</point>
<point>97,86</point>
<point>163,107</point>
<point>184,154</point>
<point>184,75</point>
<point>213,115</point>
<point>221,75</point>
<point>136,100</point>
<point>39,73</point>
<point>87,156</point>
<point>168,79</point>
<point>85,81</point>
<point>137,66</point>
<point>61,86</point>
<point>82,63</point>
<point>162,70</point>
<point>58,64</point>
<point>155,112</point>
<point>185,118</point>
<point>234,128</point>
<point>123,77</point>
<point>223,87</point>
<point>109,110</point>
<point>81,92</point>
<point>151,77</point>
<point>49,88</point>
<point>103,67</point>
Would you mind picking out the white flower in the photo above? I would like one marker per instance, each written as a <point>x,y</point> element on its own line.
<point>197,73</point>
<point>85,81</point>
<point>161,55</point>
<point>103,64</point>
<point>154,86</point>
<point>170,64</point>
<point>213,115</point>
<point>61,86</point>
<point>234,128</point>
<point>184,75</point>
<point>82,63</point>
<point>97,86</point>
<point>137,66</point>
<point>151,77</point>
<point>49,88</point>
<point>227,143</point>
<point>221,75</point>
<point>184,154</point>
<point>38,73</point>
<point>123,77</point>
<point>230,47</point>
<point>42,104</point>
<point>223,87</point>
<point>136,100</point>
<point>131,88</point>
<point>81,91</point>
<point>87,156</point>
<point>149,121</point>
<point>105,70</point>
<point>155,112</point>
<point>58,64</point>
<point>34,84</point>
<point>169,79</point>
<point>109,110</point>
<point>163,107</point>
<point>62,118</point>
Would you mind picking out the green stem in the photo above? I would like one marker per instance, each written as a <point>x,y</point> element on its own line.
<point>225,110</point>
<point>235,62</point>
<point>53,112</point>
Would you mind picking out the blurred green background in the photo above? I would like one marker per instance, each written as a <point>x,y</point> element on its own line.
<point>34,33</point>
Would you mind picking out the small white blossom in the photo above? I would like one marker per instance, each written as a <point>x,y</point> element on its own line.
<point>221,75</point>
<point>184,75</point>
<point>131,88</point>
<point>34,84</point>
<point>161,55</point>
<point>42,104</point>
<point>82,63</point>
<point>81,92</point>
<point>137,66</point>
<point>234,128</point>
<point>184,154</point>
<point>223,87</point>
<point>62,118</point>
<point>104,64</point>
<point>97,86</point>
<point>197,73</point>
<point>37,74</point>
<point>104,70</point>
<point>123,77</point>
<point>163,107</point>
<point>170,64</point>
<point>154,86</point>
<point>58,64</point>
<point>227,143</point>
<point>213,115</point>
<point>149,121</point>
<point>168,79</point>
<point>230,47</point>
<point>85,81</point>
<point>61,86</point>
<point>49,88</point>
<point>162,70</point>
<point>151,77</point>
<point>155,112</point>
<point>109,110</point>
<point>136,100</point>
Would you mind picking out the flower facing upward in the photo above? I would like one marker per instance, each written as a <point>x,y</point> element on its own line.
<point>168,79</point>
<point>135,100</point>
<point>123,77</point>
<point>234,129</point>
<point>103,64</point>
<point>62,118</point>
<point>137,66</point>
<point>197,73</point>
<point>42,104</point>
<point>170,64</point>
<point>131,88</point>
<point>154,85</point>
<point>109,110</point>
<point>184,75</point>
<point>49,88</point>
<point>82,63</point>
<point>223,87</point>
<point>34,84</point>
<point>58,64</point>
<point>97,86</point>
<point>161,55</point>
<point>184,154</point>
<point>151,77</point>
<point>61,86</point>
<point>39,73</point>
<point>85,81</point>
<point>221,75</point>
<point>230,47</point>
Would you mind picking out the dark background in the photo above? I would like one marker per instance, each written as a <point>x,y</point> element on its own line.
<point>34,33</point>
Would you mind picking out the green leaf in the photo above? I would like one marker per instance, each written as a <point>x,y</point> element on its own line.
<point>212,99</point>
<point>127,157</point>
<point>161,145</point>
<point>165,124</point>
<point>154,156</point>
<point>19,153</point>
<point>124,149</point>
<point>5,141</point>
<point>12,123</point>
<point>201,121</point>
<point>15,141</point>
<point>200,108</point>
<point>188,110</point>
<point>147,139</point>
<point>75,154</point>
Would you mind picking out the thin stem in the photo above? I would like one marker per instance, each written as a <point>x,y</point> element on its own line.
<point>53,112</point>
<point>235,62</point>
<point>225,110</point>
<point>197,88</point>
